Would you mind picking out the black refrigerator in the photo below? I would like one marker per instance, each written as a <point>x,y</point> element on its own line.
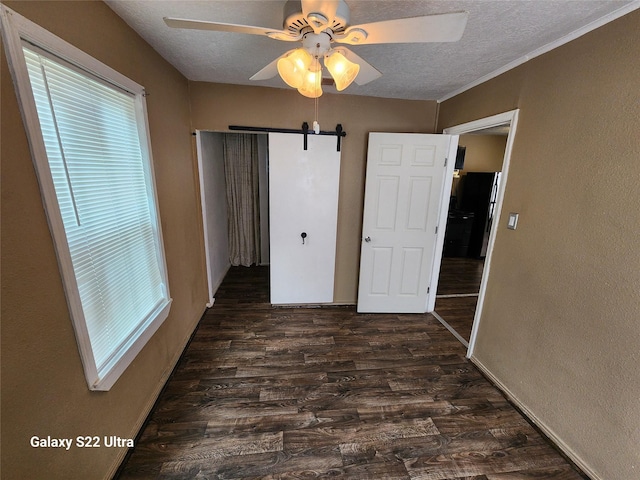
<point>479,194</point>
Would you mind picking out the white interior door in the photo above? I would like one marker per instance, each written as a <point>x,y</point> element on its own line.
<point>303,199</point>
<point>404,220</point>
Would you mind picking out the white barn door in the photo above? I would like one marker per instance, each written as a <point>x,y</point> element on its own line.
<point>303,217</point>
<point>404,201</point>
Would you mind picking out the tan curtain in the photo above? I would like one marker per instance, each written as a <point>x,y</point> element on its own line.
<point>241,175</point>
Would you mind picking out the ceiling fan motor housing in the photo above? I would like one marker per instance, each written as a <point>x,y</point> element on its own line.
<point>317,44</point>
<point>296,23</point>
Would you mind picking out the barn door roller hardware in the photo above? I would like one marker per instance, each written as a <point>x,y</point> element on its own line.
<point>339,132</point>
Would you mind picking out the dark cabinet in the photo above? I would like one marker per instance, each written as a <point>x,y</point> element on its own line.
<point>458,233</point>
<point>479,193</point>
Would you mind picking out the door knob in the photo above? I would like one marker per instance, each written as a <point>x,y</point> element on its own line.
<point>367,239</point>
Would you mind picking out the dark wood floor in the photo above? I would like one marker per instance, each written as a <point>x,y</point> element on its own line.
<point>458,312</point>
<point>279,393</point>
<point>457,296</point>
<point>460,275</point>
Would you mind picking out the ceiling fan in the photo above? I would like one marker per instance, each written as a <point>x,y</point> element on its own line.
<point>318,24</point>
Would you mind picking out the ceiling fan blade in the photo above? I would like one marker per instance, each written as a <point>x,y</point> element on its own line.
<point>445,27</point>
<point>270,70</point>
<point>319,13</point>
<point>367,73</point>
<point>229,27</point>
<point>267,72</point>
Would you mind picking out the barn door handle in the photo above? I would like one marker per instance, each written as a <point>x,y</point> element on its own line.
<point>367,239</point>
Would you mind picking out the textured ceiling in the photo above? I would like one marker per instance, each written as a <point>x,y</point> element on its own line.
<point>498,33</point>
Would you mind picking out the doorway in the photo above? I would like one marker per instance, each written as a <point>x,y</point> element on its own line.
<point>284,192</point>
<point>471,272</point>
<point>213,198</point>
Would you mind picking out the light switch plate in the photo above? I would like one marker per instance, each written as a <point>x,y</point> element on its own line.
<point>513,221</point>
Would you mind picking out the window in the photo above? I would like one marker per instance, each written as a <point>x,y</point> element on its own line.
<point>88,133</point>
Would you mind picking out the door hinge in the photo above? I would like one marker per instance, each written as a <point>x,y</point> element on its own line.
<point>428,289</point>
<point>446,159</point>
<point>436,229</point>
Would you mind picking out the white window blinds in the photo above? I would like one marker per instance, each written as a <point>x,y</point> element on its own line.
<point>104,187</point>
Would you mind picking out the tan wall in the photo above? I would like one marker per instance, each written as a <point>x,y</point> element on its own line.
<point>560,322</point>
<point>485,153</point>
<point>215,107</point>
<point>43,386</point>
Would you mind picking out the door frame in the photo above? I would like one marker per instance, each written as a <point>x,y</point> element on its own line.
<point>205,226</point>
<point>509,118</point>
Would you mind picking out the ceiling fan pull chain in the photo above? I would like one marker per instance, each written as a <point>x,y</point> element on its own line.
<point>316,125</point>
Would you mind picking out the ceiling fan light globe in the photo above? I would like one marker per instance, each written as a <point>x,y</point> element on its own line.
<point>292,67</point>
<point>342,70</point>
<point>311,87</point>
<point>310,93</point>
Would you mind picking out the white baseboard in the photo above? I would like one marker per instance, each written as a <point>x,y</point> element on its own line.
<point>216,284</point>
<point>568,451</point>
